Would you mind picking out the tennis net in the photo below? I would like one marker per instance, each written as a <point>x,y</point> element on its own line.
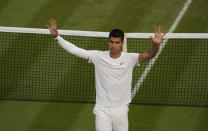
<point>34,67</point>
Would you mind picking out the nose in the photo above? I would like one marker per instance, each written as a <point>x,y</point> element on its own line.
<point>113,44</point>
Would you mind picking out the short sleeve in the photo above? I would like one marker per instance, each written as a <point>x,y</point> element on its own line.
<point>134,59</point>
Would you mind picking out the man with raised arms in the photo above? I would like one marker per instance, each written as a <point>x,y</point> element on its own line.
<point>113,75</point>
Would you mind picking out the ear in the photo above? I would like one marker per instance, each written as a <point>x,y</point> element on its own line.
<point>122,43</point>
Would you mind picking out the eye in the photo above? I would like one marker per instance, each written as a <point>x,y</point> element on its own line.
<point>117,42</point>
<point>110,41</point>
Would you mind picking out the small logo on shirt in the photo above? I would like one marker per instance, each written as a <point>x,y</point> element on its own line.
<point>121,63</point>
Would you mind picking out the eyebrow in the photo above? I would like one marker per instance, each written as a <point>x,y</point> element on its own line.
<point>117,42</point>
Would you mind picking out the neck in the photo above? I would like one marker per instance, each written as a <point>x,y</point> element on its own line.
<point>114,56</point>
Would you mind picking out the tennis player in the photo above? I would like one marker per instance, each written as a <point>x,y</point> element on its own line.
<point>113,75</point>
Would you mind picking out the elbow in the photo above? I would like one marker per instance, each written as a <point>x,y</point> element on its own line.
<point>153,55</point>
<point>150,56</point>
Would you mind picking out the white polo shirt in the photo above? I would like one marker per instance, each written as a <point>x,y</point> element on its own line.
<point>113,77</point>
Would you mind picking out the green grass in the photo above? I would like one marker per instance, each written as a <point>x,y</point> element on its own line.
<point>96,15</point>
<point>195,18</point>
<point>131,16</point>
<point>37,116</point>
<point>42,116</point>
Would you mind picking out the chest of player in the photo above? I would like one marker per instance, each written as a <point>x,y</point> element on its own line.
<point>112,67</point>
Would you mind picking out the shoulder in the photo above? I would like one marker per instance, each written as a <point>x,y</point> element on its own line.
<point>133,58</point>
<point>132,55</point>
<point>96,52</point>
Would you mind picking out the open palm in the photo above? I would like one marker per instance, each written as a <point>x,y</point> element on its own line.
<point>52,27</point>
<point>158,35</point>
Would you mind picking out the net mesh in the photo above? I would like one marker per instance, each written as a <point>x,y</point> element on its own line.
<point>34,67</point>
<point>179,75</point>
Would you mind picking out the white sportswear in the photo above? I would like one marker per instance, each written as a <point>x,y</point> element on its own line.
<point>113,76</point>
<point>71,48</point>
<point>111,118</point>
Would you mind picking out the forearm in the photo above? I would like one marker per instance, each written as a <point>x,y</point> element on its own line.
<point>71,48</point>
<point>153,51</point>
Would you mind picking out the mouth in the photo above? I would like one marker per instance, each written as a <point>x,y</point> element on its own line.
<point>113,50</point>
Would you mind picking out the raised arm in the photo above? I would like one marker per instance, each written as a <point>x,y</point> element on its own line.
<point>69,47</point>
<point>157,40</point>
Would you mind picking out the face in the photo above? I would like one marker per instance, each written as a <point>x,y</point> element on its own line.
<point>115,45</point>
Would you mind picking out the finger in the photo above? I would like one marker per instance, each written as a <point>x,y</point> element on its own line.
<point>50,22</point>
<point>48,27</point>
<point>161,29</point>
<point>155,30</point>
<point>55,23</point>
<point>51,19</point>
<point>158,29</point>
<point>151,37</point>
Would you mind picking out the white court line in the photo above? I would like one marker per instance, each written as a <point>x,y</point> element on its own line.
<point>152,61</point>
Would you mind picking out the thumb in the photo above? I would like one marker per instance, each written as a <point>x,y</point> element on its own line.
<point>48,26</point>
<point>151,37</point>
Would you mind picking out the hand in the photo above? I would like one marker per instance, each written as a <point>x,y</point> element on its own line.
<point>158,35</point>
<point>52,28</point>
